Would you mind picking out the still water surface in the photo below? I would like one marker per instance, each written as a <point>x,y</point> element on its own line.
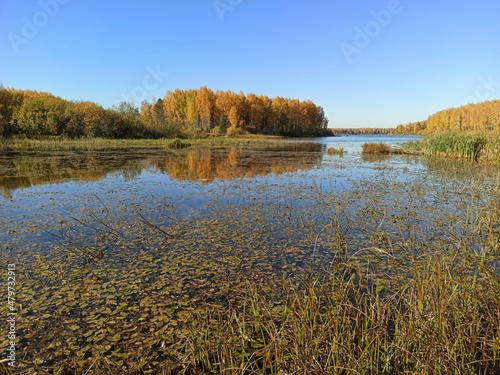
<point>295,187</point>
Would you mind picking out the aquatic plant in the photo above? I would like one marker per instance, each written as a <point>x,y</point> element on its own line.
<point>177,144</point>
<point>376,148</point>
<point>469,145</point>
<point>289,277</point>
<point>335,151</point>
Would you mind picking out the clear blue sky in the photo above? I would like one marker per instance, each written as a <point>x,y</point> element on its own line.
<point>430,55</point>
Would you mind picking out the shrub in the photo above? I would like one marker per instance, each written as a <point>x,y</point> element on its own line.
<point>218,131</point>
<point>193,133</point>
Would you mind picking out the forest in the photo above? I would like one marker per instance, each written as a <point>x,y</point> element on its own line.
<point>483,116</point>
<point>361,131</point>
<point>181,113</point>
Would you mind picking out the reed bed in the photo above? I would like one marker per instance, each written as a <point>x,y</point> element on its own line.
<point>469,145</point>
<point>376,148</point>
<point>439,322</point>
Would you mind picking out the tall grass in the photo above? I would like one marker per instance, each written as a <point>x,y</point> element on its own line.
<point>462,145</point>
<point>376,148</point>
<point>470,145</point>
<point>438,322</point>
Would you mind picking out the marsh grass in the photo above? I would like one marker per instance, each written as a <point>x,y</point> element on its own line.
<point>468,145</point>
<point>439,320</point>
<point>435,323</point>
<point>336,151</point>
<point>178,144</point>
<point>461,145</point>
<point>94,144</point>
<point>376,148</point>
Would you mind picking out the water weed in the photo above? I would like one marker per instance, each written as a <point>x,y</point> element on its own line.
<point>318,271</point>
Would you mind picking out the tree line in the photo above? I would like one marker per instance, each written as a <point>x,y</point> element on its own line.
<point>222,112</point>
<point>361,131</point>
<point>181,113</point>
<point>483,116</point>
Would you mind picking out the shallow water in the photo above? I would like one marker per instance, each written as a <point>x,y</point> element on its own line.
<point>295,188</point>
<point>120,251</point>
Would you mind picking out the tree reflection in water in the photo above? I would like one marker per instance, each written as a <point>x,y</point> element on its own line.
<point>202,165</point>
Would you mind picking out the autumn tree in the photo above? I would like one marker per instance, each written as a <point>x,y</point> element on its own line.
<point>191,112</point>
<point>126,121</point>
<point>42,115</point>
<point>88,119</point>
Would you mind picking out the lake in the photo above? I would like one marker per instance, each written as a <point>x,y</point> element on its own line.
<point>42,190</point>
<point>121,238</point>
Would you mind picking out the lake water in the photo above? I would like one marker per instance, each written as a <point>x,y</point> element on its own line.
<point>62,199</point>
<point>112,246</point>
<point>41,189</point>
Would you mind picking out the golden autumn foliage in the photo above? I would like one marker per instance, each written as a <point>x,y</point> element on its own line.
<point>31,114</point>
<point>204,110</point>
<point>181,113</point>
<point>483,116</point>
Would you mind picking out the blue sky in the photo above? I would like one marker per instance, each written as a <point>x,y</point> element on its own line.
<point>367,63</point>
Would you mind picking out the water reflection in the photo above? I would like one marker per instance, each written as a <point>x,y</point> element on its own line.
<point>21,170</point>
<point>374,158</point>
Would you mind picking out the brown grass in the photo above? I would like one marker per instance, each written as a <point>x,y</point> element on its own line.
<point>376,148</point>
<point>335,151</point>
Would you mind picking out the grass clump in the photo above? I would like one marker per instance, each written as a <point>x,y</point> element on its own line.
<point>376,148</point>
<point>177,144</point>
<point>335,151</point>
<point>436,321</point>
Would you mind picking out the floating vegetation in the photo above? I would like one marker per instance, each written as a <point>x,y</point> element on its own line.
<point>312,272</point>
<point>376,148</point>
<point>335,151</point>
